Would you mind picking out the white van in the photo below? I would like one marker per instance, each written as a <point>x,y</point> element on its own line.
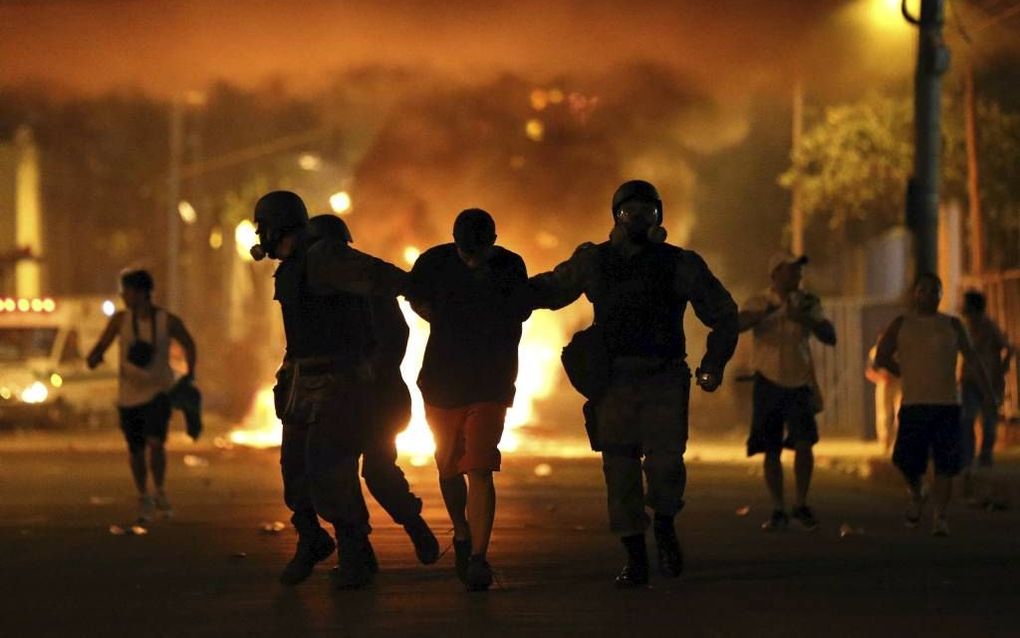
<point>43,376</point>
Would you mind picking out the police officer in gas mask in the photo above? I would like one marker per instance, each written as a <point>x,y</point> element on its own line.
<point>321,287</point>
<point>631,365</point>
<point>387,406</point>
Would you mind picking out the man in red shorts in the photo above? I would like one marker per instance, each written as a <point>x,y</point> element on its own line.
<point>472,293</point>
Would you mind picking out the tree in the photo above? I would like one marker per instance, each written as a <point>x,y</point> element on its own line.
<point>853,164</point>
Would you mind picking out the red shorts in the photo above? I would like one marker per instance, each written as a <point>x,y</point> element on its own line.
<point>466,437</point>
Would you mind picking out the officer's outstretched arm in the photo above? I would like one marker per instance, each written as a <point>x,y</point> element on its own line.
<point>561,286</point>
<point>331,270</point>
<point>714,307</point>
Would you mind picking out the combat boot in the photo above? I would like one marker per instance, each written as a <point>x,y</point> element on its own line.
<point>671,555</point>
<point>354,570</point>
<point>426,547</point>
<point>313,547</point>
<point>635,572</point>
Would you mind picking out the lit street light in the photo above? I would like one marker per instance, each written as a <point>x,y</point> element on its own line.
<point>340,202</point>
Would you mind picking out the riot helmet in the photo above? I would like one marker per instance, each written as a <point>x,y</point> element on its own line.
<point>637,211</point>
<point>327,226</point>
<point>276,214</point>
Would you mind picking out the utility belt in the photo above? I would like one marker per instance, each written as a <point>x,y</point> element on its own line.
<point>304,385</point>
<point>638,366</point>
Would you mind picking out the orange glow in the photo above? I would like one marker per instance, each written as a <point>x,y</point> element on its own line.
<point>261,428</point>
<point>535,130</point>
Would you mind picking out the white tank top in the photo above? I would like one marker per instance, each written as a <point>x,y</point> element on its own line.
<point>927,349</point>
<point>141,385</point>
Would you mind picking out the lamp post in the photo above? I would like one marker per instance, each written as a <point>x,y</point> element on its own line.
<point>923,188</point>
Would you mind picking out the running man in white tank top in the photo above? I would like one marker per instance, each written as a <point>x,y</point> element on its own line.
<point>921,347</point>
<point>145,379</point>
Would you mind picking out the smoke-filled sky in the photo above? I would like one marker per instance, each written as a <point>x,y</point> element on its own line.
<point>171,46</point>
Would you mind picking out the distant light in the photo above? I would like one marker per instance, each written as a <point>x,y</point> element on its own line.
<point>310,162</point>
<point>216,238</point>
<point>56,380</point>
<point>539,99</point>
<point>535,130</point>
<point>555,96</point>
<point>109,308</point>
<point>5,393</point>
<point>10,305</point>
<point>244,238</point>
<point>886,14</point>
<point>340,202</point>
<point>49,305</point>
<point>187,212</point>
<point>194,97</point>
<point>411,254</point>
<point>37,305</point>
<point>35,393</point>
<point>24,305</point>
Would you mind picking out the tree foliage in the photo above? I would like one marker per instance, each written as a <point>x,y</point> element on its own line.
<point>853,163</point>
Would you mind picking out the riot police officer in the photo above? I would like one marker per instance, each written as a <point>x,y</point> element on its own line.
<point>638,382</point>
<point>387,407</point>
<point>321,286</point>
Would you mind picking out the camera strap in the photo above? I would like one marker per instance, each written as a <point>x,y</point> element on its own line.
<point>134,325</point>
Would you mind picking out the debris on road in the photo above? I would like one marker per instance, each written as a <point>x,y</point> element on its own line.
<point>272,528</point>
<point>846,530</point>
<point>192,460</point>
<point>743,511</point>
<point>131,530</point>
<point>101,500</point>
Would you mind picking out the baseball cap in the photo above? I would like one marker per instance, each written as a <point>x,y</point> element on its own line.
<point>784,257</point>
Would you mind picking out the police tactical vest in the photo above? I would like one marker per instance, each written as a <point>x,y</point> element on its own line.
<point>636,302</point>
<point>319,325</point>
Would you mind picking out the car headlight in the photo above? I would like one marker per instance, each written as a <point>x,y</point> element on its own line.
<point>35,393</point>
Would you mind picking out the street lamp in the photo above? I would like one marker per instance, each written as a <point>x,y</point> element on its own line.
<point>340,202</point>
<point>244,238</point>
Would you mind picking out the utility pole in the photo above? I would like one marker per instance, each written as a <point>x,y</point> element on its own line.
<point>173,227</point>
<point>923,189</point>
<point>796,212</point>
<point>977,229</point>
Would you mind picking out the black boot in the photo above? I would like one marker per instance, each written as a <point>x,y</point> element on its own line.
<point>671,555</point>
<point>635,572</point>
<point>354,570</point>
<point>314,545</point>
<point>426,547</point>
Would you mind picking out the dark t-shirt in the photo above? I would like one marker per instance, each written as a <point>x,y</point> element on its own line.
<point>475,318</point>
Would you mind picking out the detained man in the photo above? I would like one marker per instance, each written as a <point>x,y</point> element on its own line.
<point>472,294</point>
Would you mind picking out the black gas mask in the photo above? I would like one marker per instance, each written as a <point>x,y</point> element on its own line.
<point>276,214</point>
<point>639,221</point>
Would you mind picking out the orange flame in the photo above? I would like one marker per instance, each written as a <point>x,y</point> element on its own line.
<point>539,370</point>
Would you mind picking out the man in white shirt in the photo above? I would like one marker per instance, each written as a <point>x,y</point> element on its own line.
<point>922,348</point>
<point>782,319</point>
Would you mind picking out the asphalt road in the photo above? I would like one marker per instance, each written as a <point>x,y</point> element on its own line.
<point>211,571</point>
